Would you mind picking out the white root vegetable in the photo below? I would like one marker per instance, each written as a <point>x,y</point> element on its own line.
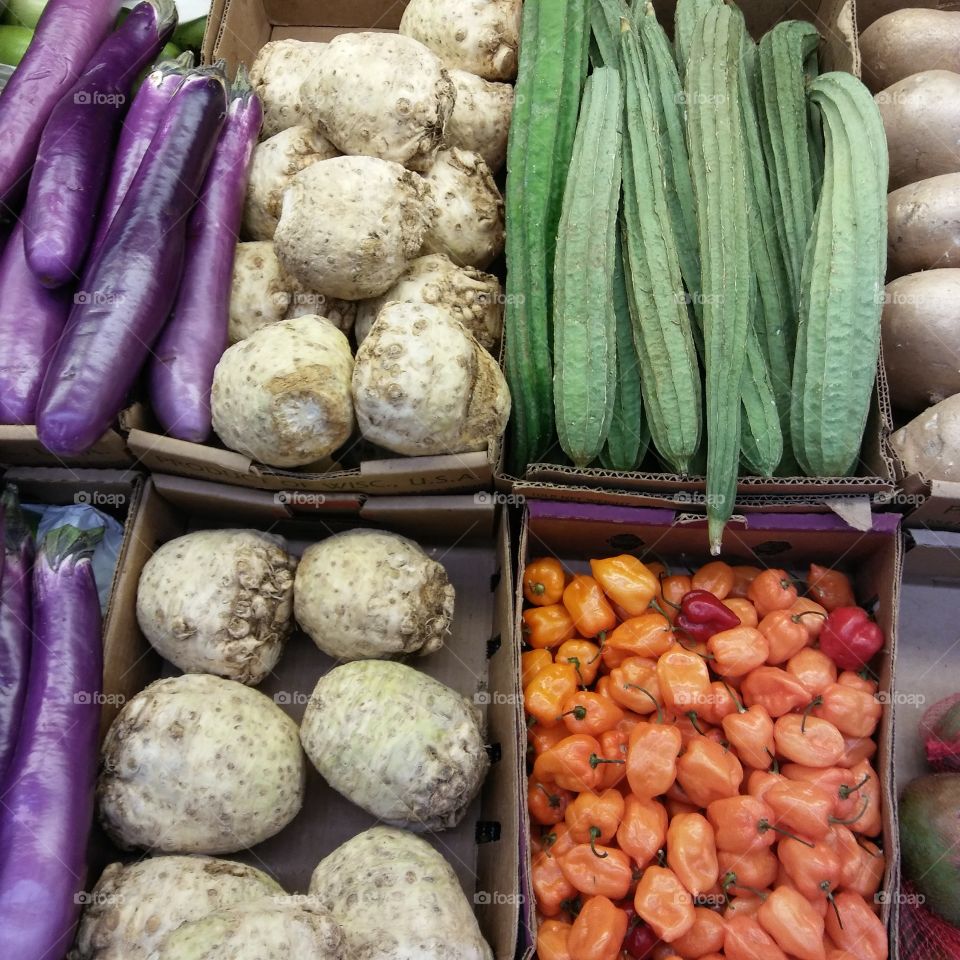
<point>480,36</point>
<point>401,745</point>
<point>381,95</point>
<point>272,928</point>
<point>199,764</point>
<point>307,303</point>
<point>471,297</point>
<point>219,601</point>
<point>349,226</point>
<point>396,898</point>
<point>930,443</point>
<point>469,227</point>
<point>481,117</point>
<point>275,162</point>
<point>277,75</point>
<point>366,593</point>
<point>134,906</point>
<point>282,396</point>
<point>423,386</point>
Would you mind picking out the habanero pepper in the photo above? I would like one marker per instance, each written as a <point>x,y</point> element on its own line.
<point>808,740</point>
<point>815,870</point>
<point>597,871</point>
<point>772,590</point>
<point>652,758</point>
<point>575,763</point>
<point>707,772</point>
<point>547,627</point>
<point>814,669</point>
<point>785,634</point>
<point>793,923</point>
<point>776,690</point>
<point>859,682</point>
<point>531,663</point>
<point>543,581</point>
<point>746,905</point>
<point>676,806</point>
<point>692,852</point>
<point>546,802</point>
<point>868,787</point>
<point>760,781</point>
<point>850,638</point>
<point>855,713</point>
<point>543,738</point>
<point>583,656</point>
<point>634,685</point>
<point>595,817</point>
<point>812,615</point>
<point>819,906</point>
<point>742,824</point>
<point>627,582</point>
<point>743,576</point>
<point>545,695</point>
<point>867,876</point>
<point>837,781</point>
<point>800,807</point>
<point>856,750</point>
<point>550,887</point>
<point>643,829</point>
<point>664,903</point>
<point>716,578</point>
<point>738,651</point>
<point>693,727</point>
<point>647,635</point>
<point>830,588</point>
<point>755,870</point>
<point>744,609</point>
<point>588,607</point>
<point>702,615</point>
<point>745,939</point>
<point>684,680</point>
<point>553,938</point>
<point>672,590</point>
<point>613,746</point>
<point>721,703</point>
<point>586,712</point>
<point>750,733</point>
<point>704,937</point>
<point>599,931</point>
<point>853,926</point>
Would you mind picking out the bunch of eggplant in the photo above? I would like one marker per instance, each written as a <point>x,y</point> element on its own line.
<point>127,208</point>
<point>51,674</point>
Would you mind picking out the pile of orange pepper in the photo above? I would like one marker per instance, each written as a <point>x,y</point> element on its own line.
<point>698,797</point>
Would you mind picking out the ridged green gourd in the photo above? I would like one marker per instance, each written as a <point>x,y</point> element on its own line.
<point>687,17</point>
<point>605,16</point>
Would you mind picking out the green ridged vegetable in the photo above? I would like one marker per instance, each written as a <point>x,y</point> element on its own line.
<point>629,437</point>
<point>584,319</point>
<point>669,372</point>
<point>782,111</point>
<point>605,16</point>
<point>552,70</point>
<point>720,182</point>
<point>686,18</point>
<point>843,282</point>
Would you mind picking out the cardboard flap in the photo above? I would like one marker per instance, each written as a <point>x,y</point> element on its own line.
<point>20,445</point>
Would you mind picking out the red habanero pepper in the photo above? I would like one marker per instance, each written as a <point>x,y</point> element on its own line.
<point>627,582</point>
<point>850,638</point>
<point>543,581</point>
<point>702,615</point>
<point>830,588</point>
<point>588,607</point>
<point>772,590</point>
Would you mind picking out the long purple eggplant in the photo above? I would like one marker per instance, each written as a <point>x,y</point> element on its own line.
<point>68,33</point>
<point>31,321</point>
<point>15,625</point>
<point>130,286</point>
<point>181,371</point>
<point>141,123</point>
<point>49,798</point>
<point>76,149</point>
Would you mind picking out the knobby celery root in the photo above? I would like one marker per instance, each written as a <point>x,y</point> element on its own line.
<point>381,95</point>
<point>277,75</point>
<point>275,162</point>
<point>371,594</point>
<point>349,226</point>
<point>470,296</point>
<point>423,386</point>
<point>219,601</point>
<point>481,117</point>
<point>282,396</point>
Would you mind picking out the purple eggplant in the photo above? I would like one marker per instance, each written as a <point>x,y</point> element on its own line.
<point>67,35</point>
<point>139,126</point>
<point>15,623</point>
<point>31,321</point>
<point>181,371</point>
<point>129,288</point>
<point>77,145</point>
<point>49,793</point>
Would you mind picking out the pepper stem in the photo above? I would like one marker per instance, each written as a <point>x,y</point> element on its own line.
<point>764,825</point>
<point>740,707</point>
<point>594,836</point>
<point>595,761</point>
<point>552,798</point>
<point>538,588</point>
<point>847,822</point>
<point>656,703</point>
<point>817,701</point>
<point>846,790</point>
<point>692,714</point>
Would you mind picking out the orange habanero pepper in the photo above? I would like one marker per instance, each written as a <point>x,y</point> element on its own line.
<point>583,656</point>
<point>856,750</point>
<point>598,931</point>
<point>585,712</point>
<point>630,584</point>
<point>855,713</point>
<point>745,939</point>
<point>543,738</point>
<point>862,932</point>
<point>692,852</point>
<point>705,937</point>
<point>814,869</point>
<point>785,634</point>
<point>550,887</point>
<point>588,607</point>
<point>721,703</point>
<point>613,746</point>
<point>545,695</point>
<point>800,807</point>
<point>830,588</point>
<point>850,679</point>
<point>598,871</point>
<point>837,781</point>
<point>793,923</point>
<point>708,771</point>
<point>811,615</point>
<point>815,670</point>
<point>575,763</point>
<point>643,829</point>
<point>754,870</point>
<point>869,824</point>
<point>744,609</point>
<point>634,685</point>
<point>808,740</point>
<point>652,758</point>
<point>738,651</point>
<point>743,576</point>
<point>684,680</point>
<point>760,781</point>
<point>647,635</point>
<point>741,824</point>
<point>750,733</point>
<point>746,905</point>
<point>546,802</point>
<point>664,904</point>
<point>773,689</point>
<point>553,937</point>
<point>673,589</point>
<point>543,581</point>
<point>595,817</point>
<point>772,590</point>
<point>868,875</point>
<point>715,577</point>
<point>547,627</point>
<point>531,663</point>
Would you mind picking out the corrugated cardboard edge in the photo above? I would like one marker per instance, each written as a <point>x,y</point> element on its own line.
<point>20,445</point>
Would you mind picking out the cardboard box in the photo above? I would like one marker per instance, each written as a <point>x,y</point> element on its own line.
<point>478,660</point>
<point>874,481</point>
<point>575,532</point>
<point>19,445</point>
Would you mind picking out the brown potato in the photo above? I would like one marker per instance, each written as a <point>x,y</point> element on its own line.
<point>895,45</point>
<point>921,115</point>
<point>921,338</point>
<point>923,226</point>
<point>930,444</point>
